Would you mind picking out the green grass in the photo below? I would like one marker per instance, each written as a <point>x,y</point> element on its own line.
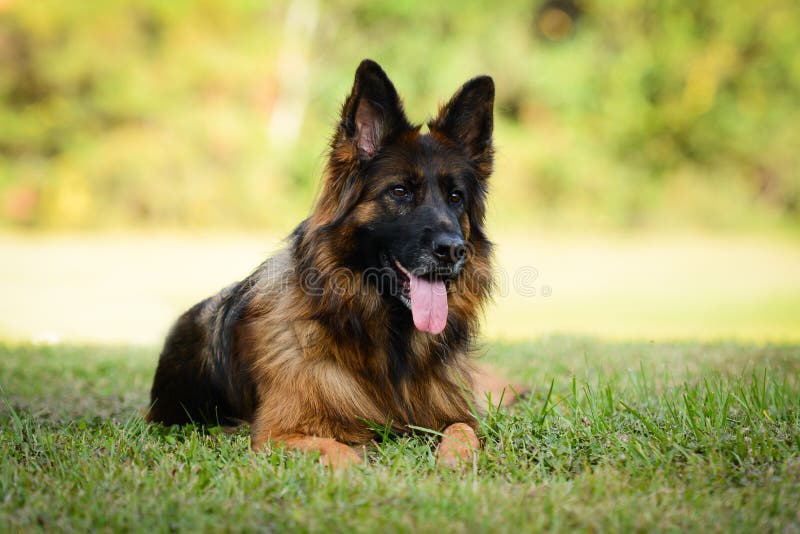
<point>615,436</point>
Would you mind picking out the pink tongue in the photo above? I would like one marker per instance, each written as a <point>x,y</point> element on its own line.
<point>428,304</point>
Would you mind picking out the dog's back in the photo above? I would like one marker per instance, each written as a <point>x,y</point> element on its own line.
<point>200,378</point>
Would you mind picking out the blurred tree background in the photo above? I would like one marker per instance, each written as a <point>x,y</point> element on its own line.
<point>627,114</point>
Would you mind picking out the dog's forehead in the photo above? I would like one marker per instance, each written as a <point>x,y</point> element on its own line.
<point>424,156</point>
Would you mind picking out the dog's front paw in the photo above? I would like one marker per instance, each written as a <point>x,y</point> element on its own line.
<point>458,446</point>
<point>339,456</point>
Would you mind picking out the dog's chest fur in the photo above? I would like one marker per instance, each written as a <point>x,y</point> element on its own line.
<point>314,378</point>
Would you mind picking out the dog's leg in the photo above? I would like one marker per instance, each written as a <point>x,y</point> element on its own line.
<point>333,453</point>
<point>458,445</point>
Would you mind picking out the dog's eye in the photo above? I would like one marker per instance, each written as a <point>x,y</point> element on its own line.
<point>456,197</point>
<point>400,192</point>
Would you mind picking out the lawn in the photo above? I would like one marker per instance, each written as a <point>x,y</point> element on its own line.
<point>615,436</point>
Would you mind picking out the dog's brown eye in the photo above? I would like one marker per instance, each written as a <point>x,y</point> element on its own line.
<point>399,191</point>
<point>456,197</point>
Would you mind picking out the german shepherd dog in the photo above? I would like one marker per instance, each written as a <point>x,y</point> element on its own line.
<point>368,316</point>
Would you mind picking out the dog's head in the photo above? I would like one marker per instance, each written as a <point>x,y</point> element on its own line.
<point>411,204</point>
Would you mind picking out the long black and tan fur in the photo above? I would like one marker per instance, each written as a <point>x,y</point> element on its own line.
<point>319,340</point>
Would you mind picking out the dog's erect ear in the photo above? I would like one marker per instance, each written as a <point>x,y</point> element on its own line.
<point>373,113</point>
<point>468,119</point>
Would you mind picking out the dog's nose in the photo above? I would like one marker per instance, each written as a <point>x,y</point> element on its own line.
<point>449,248</point>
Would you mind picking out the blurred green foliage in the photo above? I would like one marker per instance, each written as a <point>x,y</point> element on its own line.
<point>198,113</point>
